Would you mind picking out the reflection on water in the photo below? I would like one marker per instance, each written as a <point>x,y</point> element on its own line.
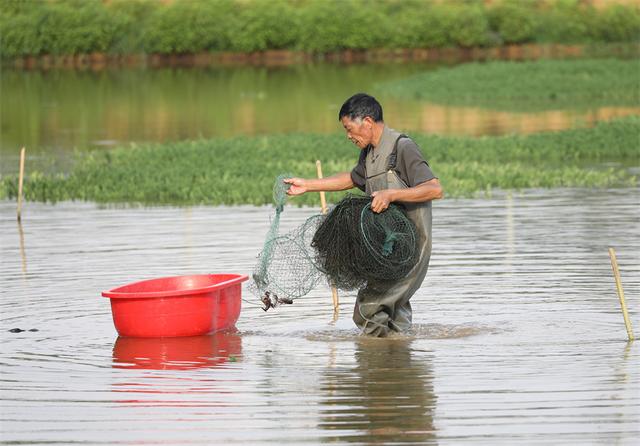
<point>23,255</point>
<point>53,113</point>
<point>177,353</point>
<point>476,121</point>
<point>518,336</point>
<point>386,398</point>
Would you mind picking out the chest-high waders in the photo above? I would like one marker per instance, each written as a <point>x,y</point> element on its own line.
<point>382,307</point>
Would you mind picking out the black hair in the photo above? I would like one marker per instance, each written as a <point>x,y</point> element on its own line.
<point>360,106</point>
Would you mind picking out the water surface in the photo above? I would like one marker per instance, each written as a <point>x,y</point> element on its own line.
<point>55,112</point>
<point>518,335</point>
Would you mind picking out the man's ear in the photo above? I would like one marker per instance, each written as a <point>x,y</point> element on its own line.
<point>369,120</point>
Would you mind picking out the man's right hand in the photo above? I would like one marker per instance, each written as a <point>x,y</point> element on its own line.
<point>298,186</point>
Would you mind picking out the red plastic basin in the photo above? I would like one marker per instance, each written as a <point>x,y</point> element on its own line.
<point>177,306</point>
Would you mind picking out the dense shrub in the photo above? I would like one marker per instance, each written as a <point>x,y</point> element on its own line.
<point>569,21</point>
<point>334,25</point>
<point>74,27</point>
<point>19,35</point>
<point>132,18</point>
<point>513,22</point>
<point>189,27</point>
<point>263,25</point>
<point>317,26</point>
<point>618,24</point>
<point>468,26</point>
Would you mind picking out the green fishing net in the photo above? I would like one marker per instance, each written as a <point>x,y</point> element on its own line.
<point>350,246</point>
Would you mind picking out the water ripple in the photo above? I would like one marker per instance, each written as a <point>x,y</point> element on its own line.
<point>518,336</point>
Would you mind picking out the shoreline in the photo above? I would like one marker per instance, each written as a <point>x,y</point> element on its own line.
<point>285,58</point>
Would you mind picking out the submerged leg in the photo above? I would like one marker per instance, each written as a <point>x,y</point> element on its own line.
<point>381,308</point>
<point>371,317</point>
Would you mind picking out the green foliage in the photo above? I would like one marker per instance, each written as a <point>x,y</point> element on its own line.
<point>241,170</point>
<point>569,21</point>
<point>132,21</point>
<point>467,26</point>
<point>188,27</point>
<point>19,35</point>
<point>74,27</point>
<point>317,26</point>
<point>544,84</point>
<point>262,25</point>
<point>618,24</point>
<point>513,21</point>
<point>341,24</point>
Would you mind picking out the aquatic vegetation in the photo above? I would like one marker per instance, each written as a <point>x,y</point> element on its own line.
<point>544,84</point>
<point>241,170</point>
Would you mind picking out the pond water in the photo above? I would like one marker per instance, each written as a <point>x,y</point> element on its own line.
<point>518,333</point>
<point>53,113</point>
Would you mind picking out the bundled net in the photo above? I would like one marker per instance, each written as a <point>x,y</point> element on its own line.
<point>355,245</point>
<point>350,246</point>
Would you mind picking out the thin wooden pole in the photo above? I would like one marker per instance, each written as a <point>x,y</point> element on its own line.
<point>623,305</point>
<point>20,180</point>
<point>23,256</point>
<point>323,202</point>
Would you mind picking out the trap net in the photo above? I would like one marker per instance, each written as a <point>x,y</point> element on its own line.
<point>350,247</point>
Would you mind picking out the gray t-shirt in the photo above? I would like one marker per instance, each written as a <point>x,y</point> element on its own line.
<point>411,166</point>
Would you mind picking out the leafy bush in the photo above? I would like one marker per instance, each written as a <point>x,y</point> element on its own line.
<point>19,35</point>
<point>317,26</point>
<point>569,21</point>
<point>513,21</point>
<point>618,24</point>
<point>263,25</point>
<point>189,27</point>
<point>467,26</point>
<point>132,19</point>
<point>74,27</point>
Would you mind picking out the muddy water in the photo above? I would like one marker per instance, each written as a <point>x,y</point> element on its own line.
<point>518,335</point>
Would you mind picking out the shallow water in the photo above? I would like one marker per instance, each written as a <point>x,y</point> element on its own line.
<point>518,336</point>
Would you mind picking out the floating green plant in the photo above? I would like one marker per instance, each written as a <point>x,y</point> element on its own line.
<point>544,84</point>
<point>241,170</point>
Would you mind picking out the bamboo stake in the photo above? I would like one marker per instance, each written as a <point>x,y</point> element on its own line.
<point>23,256</point>
<point>20,180</point>
<point>323,203</point>
<point>623,305</point>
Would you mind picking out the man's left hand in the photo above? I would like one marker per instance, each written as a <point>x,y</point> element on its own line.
<point>381,200</point>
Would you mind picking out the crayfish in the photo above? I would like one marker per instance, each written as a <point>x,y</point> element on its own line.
<point>271,300</point>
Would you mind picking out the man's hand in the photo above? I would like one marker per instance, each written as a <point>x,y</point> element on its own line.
<point>381,200</point>
<point>298,186</point>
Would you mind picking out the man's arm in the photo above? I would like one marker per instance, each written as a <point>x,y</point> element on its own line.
<point>339,181</point>
<point>429,190</point>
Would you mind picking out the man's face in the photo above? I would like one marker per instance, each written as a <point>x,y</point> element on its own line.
<point>359,131</point>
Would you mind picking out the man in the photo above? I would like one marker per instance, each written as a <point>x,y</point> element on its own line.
<point>390,169</point>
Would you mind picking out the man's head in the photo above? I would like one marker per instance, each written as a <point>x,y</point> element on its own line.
<point>361,117</point>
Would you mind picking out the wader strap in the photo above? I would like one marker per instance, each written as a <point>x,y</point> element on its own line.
<point>393,156</point>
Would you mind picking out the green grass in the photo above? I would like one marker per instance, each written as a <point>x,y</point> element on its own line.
<point>241,170</point>
<point>544,84</point>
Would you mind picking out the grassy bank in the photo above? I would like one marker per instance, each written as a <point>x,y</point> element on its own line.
<point>67,27</point>
<point>545,84</point>
<point>241,170</point>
